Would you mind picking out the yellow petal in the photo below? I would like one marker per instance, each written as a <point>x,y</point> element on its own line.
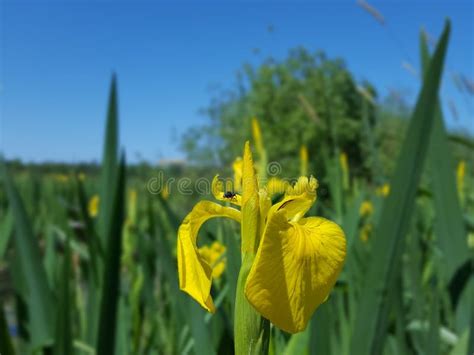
<point>298,198</point>
<point>219,192</point>
<point>250,204</point>
<point>276,186</point>
<point>195,274</point>
<point>295,268</point>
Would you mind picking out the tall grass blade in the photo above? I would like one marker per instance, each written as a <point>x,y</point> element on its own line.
<point>109,162</point>
<point>372,314</point>
<point>449,224</point>
<point>111,276</point>
<point>6,347</point>
<point>64,337</point>
<point>37,292</point>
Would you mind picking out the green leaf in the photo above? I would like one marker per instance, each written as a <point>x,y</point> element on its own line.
<point>111,276</point>
<point>6,231</point>
<point>109,163</point>
<point>6,347</point>
<point>449,224</point>
<point>37,293</point>
<point>321,330</point>
<point>64,338</point>
<point>372,314</point>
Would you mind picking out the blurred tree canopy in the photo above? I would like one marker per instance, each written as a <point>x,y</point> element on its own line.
<point>306,98</point>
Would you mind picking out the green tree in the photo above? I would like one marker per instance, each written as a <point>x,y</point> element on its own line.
<point>304,99</point>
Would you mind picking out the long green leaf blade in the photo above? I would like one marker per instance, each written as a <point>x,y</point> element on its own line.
<point>449,223</point>
<point>370,326</point>
<point>38,294</point>
<point>111,277</point>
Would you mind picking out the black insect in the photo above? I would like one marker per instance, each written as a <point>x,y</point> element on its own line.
<point>229,195</point>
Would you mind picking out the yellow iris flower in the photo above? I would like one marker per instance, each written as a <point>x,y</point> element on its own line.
<point>460,173</point>
<point>213,255</point>
<point>296,260</point>
<point>93,207</point>
<point>343,162</point>
<point>383,190</point>
<point>366,208</point>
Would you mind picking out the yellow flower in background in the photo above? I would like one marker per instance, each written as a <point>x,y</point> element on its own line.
<point>165,192</point>
<point>262,153</point>
<point>383,190</point>
<point>93,206</point>
<point>63,178</point>
<point>81,176</point>
<point>304,160</point>
<point>132,207</point>
<point>296,260</point>
<point>257,134</point>
<point>237,167</point>
<point>470,240</point>
<point>460,173</point>
<point>365,232</point>
<point>366,208</point>
<point>213,255</point>
<point>345,170</point>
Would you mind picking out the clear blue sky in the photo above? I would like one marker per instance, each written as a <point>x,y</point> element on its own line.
<point>57,58</point>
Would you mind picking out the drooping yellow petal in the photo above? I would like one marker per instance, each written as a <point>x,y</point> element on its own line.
<point>295,268</point>
<point>250,204</point>
<point>219,192</point>
<point>195,273</point>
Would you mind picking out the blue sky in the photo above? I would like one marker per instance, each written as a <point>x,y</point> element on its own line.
<point>57,58</point>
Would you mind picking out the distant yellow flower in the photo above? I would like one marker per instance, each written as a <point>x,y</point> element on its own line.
<point>304,160</point>
<point>460,173</point>
<point>296,260</point>
<point>262,153</point>
<point>62,178</point>
<point>470,240</point>
<point>81,176</point>
<point>165,192</point>
<point>345,170</point>
<point>237,167</point>
<point>257,134</point>
<point>132,207</point>
<point>366,208</point>
<point>383,190</point>
<point>365,232</point>
<point>93,206</point>
<point>213,255</point>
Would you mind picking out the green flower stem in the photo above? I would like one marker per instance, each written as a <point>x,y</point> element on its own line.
<point>251,330</point>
